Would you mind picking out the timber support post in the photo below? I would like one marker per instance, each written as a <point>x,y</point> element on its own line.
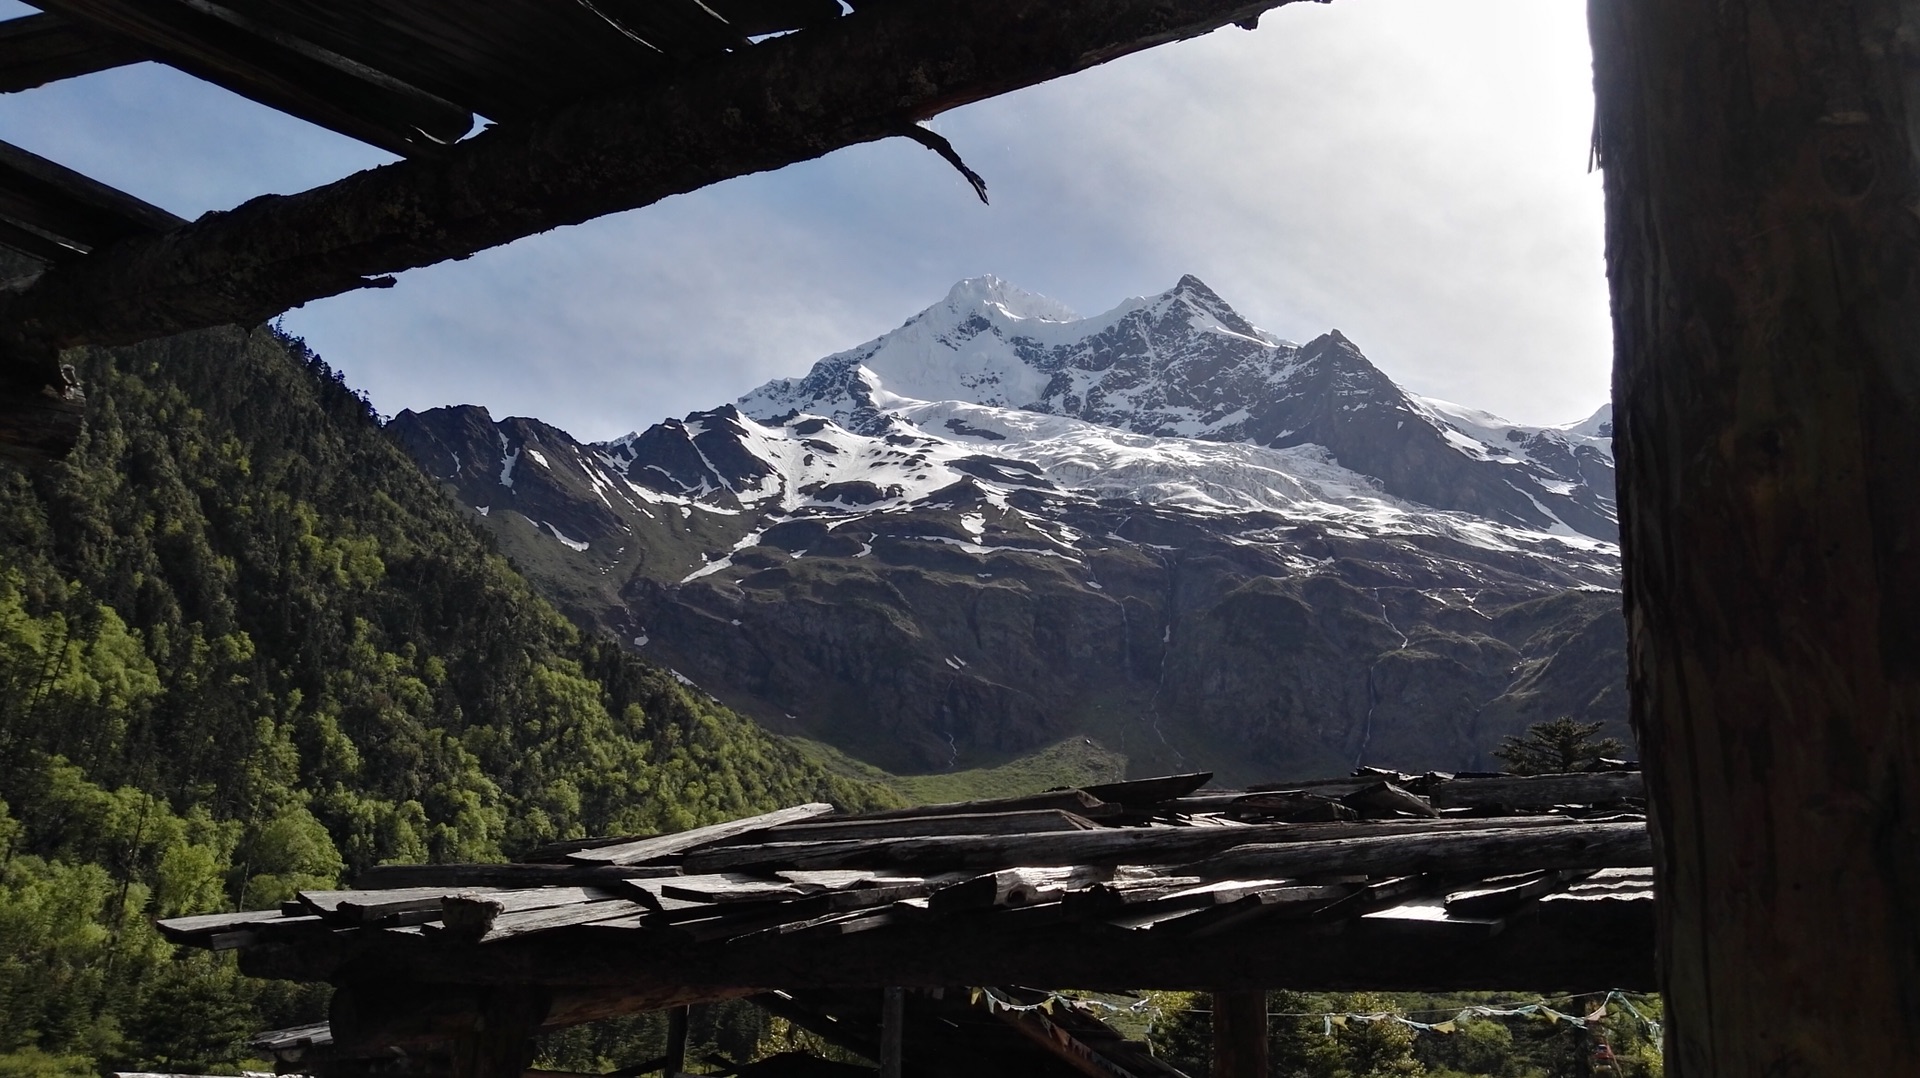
<point>500,1044</point>
<point>893,1016</point>
<point>1240,1034</point>
<point>676,1057</point>
<point>1763,251</point>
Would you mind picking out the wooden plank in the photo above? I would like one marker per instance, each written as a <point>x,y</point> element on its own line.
<point>473,913</point>
<point>1386,799</point>
<point>840,879</point>
<point>255,59</point>
<point>1502,898</point>
<point>731,887</point>
<point>1558,846</point>
<point>1078,802</point>
<point>362,905</point>
<point>1015,887</point>
<point>1540,791</point>
<point>1107,845</point>
<point>38,49</point>
<point>457,877</point>
<point>1290,900</point>
<point>965,823</point>
<point>661,846</point>
<point>1147,793</point>
<point>261,931</point>
<point>526,922</point>
<point>198,926</point>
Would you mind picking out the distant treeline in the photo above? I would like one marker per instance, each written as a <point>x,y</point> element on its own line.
<point>246,648</point>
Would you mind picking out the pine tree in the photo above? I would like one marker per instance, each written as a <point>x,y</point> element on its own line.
<point>1556,747</point>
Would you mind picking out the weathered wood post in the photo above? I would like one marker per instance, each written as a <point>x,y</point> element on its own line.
<point>893,1016</point>
<point>499,1044</point>
<point>1240,1034</point>
<point>676,1057</point>
<point>1763,248</point>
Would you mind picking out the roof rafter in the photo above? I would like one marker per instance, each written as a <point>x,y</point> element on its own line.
<point>38,49</point>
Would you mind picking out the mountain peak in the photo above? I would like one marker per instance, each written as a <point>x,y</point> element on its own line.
<point>990,292</point>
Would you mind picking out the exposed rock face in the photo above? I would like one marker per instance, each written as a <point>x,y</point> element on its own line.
<point>1161,528</point>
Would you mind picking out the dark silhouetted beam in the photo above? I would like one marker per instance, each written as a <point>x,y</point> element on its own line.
<point>258,60</point>
<point>38,49</point>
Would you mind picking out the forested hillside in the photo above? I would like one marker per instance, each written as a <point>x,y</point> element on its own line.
<point>246,647</point>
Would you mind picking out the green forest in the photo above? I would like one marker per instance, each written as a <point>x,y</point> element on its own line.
<point>246,647</point>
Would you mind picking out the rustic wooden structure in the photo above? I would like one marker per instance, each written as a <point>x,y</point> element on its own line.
<point>598,106</point>
<point>1377,881</point>
<point>1761,179</point>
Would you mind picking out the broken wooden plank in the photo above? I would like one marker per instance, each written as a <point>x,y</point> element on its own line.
<point>659,846</point>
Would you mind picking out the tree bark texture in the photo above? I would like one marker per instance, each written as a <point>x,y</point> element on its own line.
<point>1763,248</point>
<point>854,80</point>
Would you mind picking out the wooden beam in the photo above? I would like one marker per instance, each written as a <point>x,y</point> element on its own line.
<point>853,80</point>
<point>77,209</point>
<point>1240,1034</point>
<point>1760,162</point>
<point>38,49</point>
<point>1553,946</point>
<point>255,59</point>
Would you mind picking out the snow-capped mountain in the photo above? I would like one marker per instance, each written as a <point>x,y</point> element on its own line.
<point>1185,364</point>
<point>1001,525</point>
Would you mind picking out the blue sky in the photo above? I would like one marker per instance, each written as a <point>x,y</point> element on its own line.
<point>1410,172</point>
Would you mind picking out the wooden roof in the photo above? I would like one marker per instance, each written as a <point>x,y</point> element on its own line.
<point>598,106</point>
<point>409,76</point>
<point>1381,881</point>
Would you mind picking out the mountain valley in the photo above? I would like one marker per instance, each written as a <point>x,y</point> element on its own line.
<point>1160,532</point>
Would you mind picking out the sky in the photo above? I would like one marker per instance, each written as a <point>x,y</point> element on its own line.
<point>1413,173</point>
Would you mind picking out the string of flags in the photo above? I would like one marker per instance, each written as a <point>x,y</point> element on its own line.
<point>1331,1020</point>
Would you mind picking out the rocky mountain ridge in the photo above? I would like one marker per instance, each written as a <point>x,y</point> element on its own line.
<point>1160,528</point>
